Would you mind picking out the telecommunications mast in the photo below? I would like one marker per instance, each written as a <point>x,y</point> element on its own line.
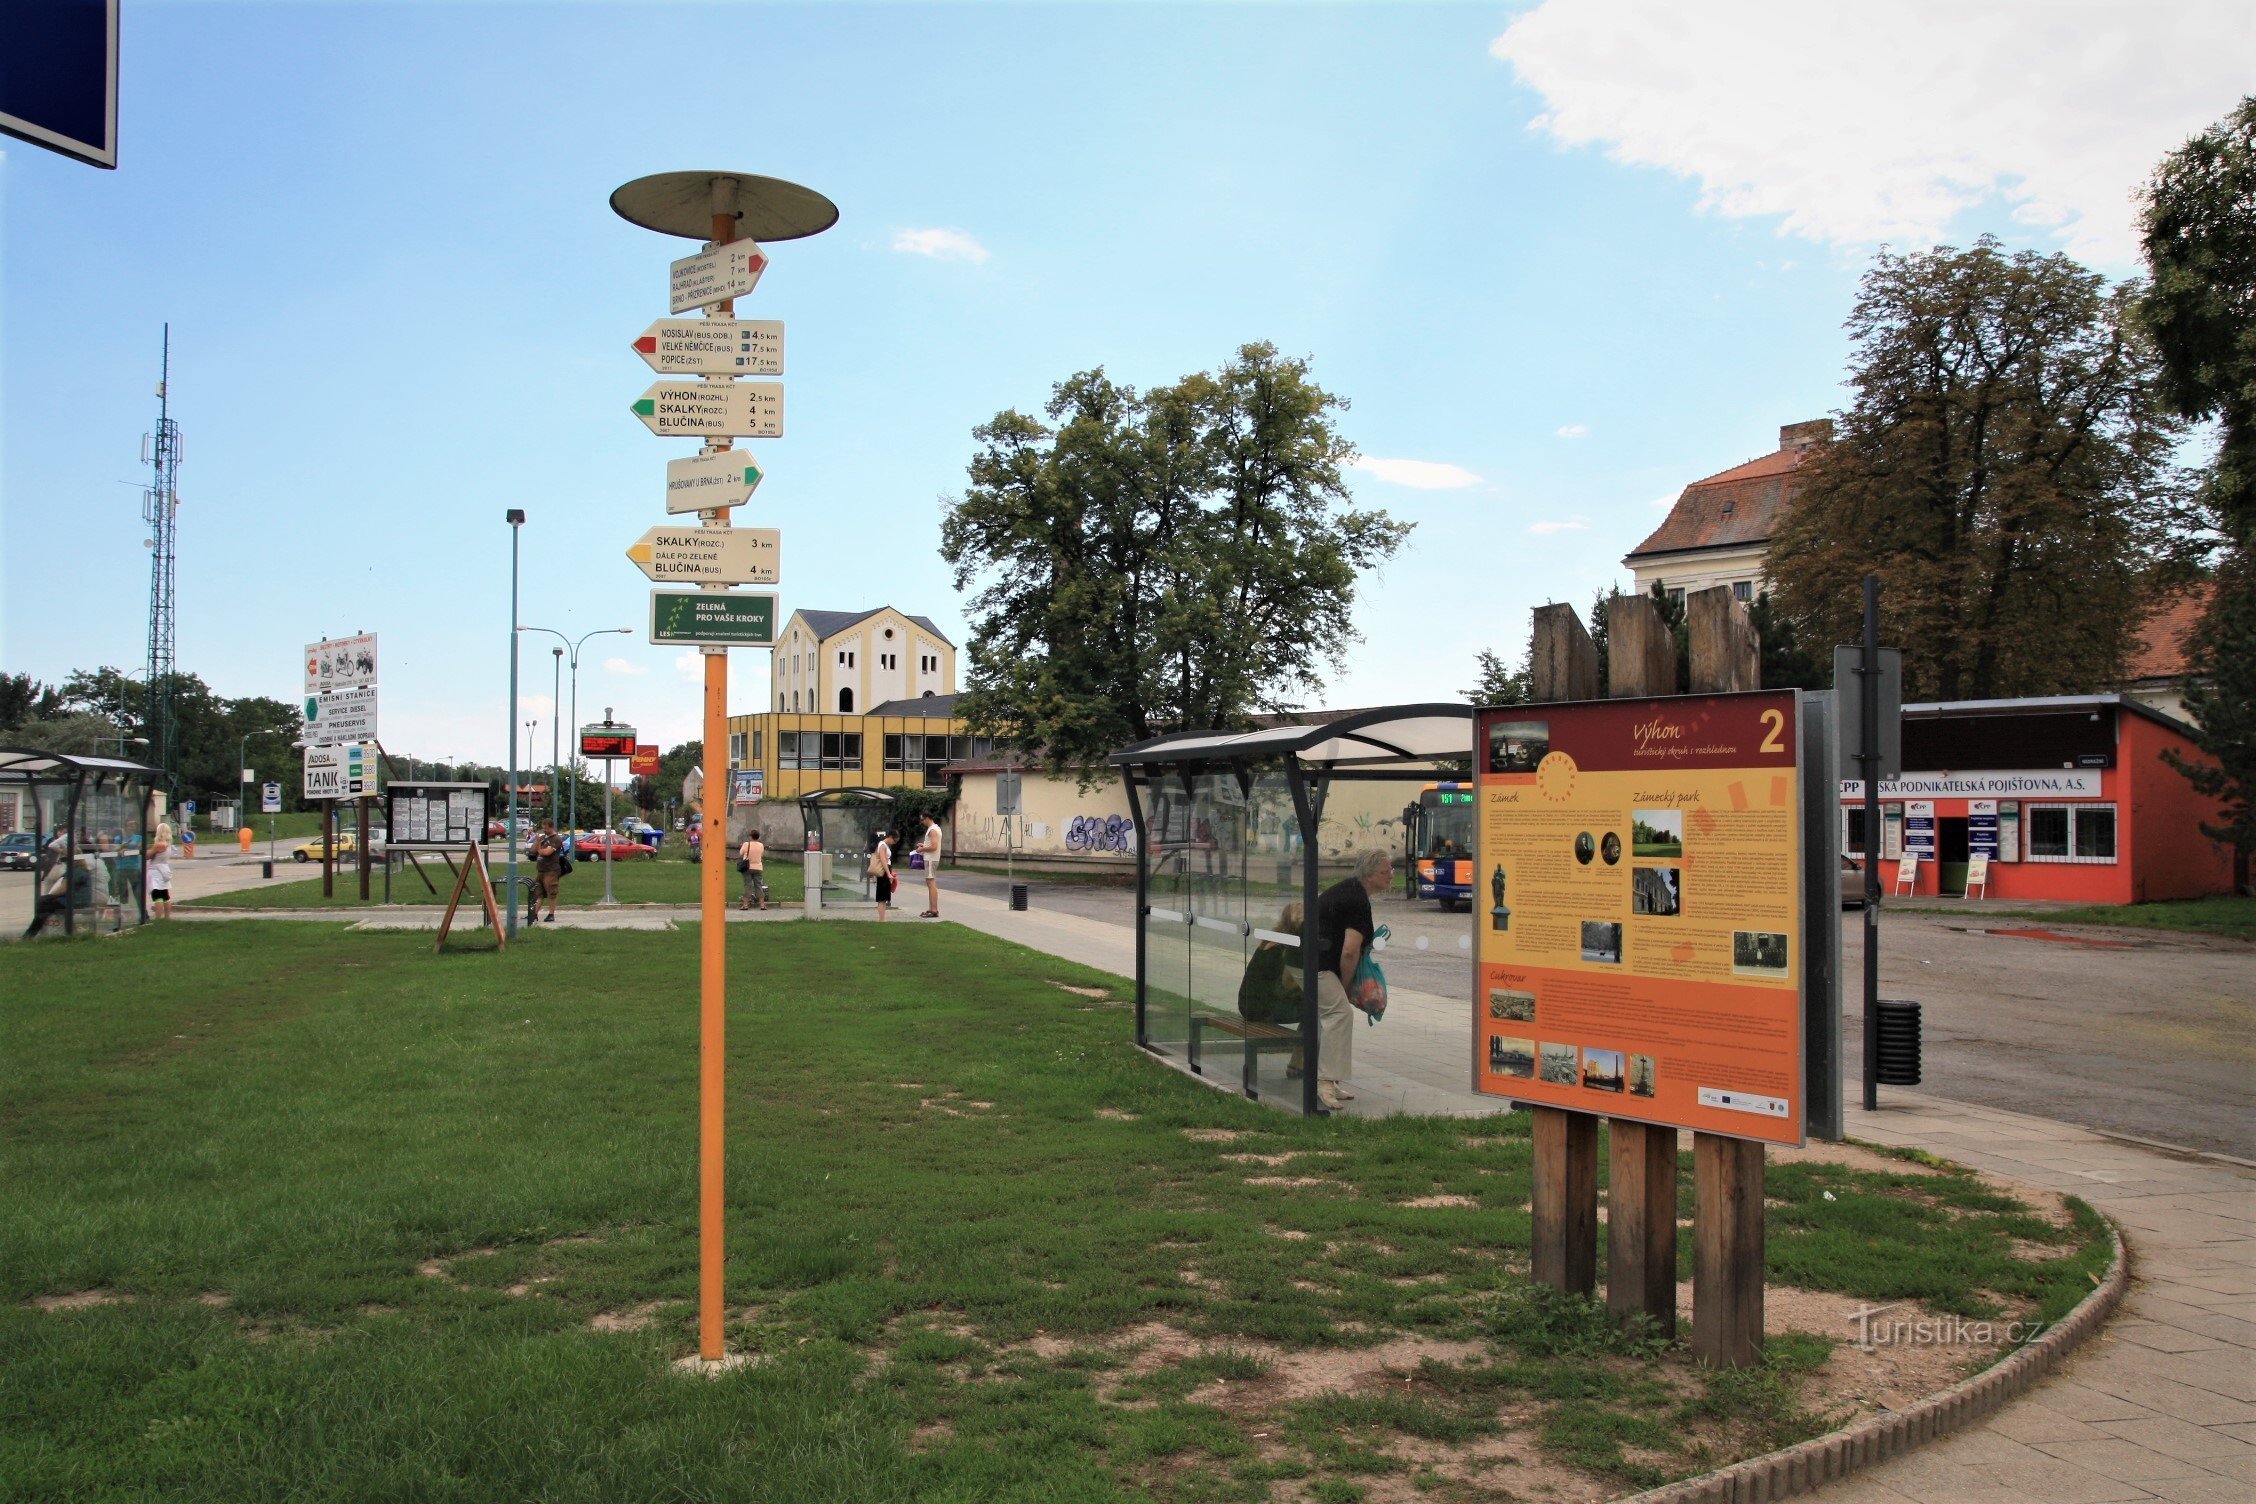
<point>160,507</point>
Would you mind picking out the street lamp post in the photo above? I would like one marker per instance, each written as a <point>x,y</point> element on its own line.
<point>575,657</point>
<point>516,520</point>
<point>248,775</point>
<point>556,740</point>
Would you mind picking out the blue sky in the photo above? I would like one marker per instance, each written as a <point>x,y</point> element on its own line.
<point>1561,258</point>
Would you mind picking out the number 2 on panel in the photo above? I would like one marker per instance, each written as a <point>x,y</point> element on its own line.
<point>1776,721</point>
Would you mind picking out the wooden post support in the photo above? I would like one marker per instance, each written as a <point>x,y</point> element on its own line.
<point>1641,1158</point>
<point>474,859</point>
<point>1565,1255</point>
<point>1565,1203</point>
<point>1564,660</point>
<point>1727,1251</point>
<point>1727,1173</point>
<point>1726,652</point>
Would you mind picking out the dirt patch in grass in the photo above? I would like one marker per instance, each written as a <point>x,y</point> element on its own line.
<point>78,1300</point>
<point>1212,1135</point>
<point>1114,1114</point>
<point>215,1300</point>
<point>1082,991</point>
<point>633,1319</point>
<point>1439,1201</point>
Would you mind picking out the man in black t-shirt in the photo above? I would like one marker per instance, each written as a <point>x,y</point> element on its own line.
<point>1344,927</point>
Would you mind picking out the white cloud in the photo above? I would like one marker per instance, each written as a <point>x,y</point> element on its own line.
<point>623,666</point>
<point>689,666</point>
<point>944,245</point>
<point>1860,124</point>
<point>1565,525</point>
<point>1420,475</point>
<point>1571,431</point>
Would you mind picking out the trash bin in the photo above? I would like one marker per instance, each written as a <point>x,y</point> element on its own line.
<point>266,869</point>
<point>1018,897</point>
<point>1898,1062</point>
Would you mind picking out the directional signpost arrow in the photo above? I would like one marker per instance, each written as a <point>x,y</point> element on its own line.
<point>715,555</point>
<point>706,481</point>
<point>714,276</point>
<point>694,409</point>
<point>713,347</point>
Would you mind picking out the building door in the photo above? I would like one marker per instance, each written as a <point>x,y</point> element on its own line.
<point>1950,853</point>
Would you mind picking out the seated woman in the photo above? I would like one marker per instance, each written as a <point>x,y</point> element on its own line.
<point>1269,993</point>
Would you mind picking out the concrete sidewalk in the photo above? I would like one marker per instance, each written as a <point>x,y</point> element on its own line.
<point>2160,1405</point>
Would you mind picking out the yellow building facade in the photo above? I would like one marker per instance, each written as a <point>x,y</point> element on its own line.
<point>847,663</point>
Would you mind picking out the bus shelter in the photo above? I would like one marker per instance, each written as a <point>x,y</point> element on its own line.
<point>89,823</point>
<point>1230,859</point>
<point>843,825</point>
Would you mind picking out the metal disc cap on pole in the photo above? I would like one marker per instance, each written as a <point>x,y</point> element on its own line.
<point>681,203</point>
<point>725,210</point>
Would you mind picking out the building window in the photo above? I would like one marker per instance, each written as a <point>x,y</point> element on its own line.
<point>736,749</point>
<point>892,753</point>
<point>2077,833</point>
<point>845,702</point>
<point>1676,597</point>
<point>787,750</point>
<point>1743,590</point>
<point>1852,831</point>
<point>888,660</point>
<point>755,749</point>
<point>851,757</point>
<point>795,701</point>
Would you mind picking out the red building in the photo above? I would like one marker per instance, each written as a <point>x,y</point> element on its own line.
<point>2069,797</point>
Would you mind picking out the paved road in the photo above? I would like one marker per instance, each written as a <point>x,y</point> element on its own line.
<point>2146,1033</point>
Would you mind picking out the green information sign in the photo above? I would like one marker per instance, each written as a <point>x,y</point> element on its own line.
<point>713,618</point>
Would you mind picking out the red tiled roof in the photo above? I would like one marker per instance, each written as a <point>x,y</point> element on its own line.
<point>2161,650</point>
<point>1737,506</point>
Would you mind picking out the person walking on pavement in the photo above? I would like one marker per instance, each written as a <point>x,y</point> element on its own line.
<point>159,876</point>
<point>548,870</point>
<point>752,861</point>
<point>928,857</point>
<point>881,874</point>
<point>1344,925</point>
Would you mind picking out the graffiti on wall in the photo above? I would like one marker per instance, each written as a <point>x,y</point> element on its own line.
<point>1101,833</point>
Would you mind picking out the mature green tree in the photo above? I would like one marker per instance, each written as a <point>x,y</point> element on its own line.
<point>1786,662</point>
<point>2006,467</point>
<point>1497,684</point>
<point>78,733</point>
<point>2200,306</point>
<point>23,698</point>
<point>2220,694</point>
<point>1149,562</point>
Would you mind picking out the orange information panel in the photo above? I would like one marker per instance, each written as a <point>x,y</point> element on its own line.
<point>1638,898</point>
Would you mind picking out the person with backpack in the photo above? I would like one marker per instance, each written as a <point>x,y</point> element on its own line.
<point>752,861</point>
<point>550,866</point>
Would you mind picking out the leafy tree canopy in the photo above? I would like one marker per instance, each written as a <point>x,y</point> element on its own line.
<point>2006,467</point>
<point>2200,223</point>
<point>2220,694</point>
<point>1167,560</point>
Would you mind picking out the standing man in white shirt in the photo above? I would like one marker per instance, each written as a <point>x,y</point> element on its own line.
<point>928,851</point>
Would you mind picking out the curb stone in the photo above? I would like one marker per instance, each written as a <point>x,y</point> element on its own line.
<point>1803,1468</point>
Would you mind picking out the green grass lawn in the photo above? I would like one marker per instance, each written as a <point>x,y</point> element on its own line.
<point>348,1220</point>
<point>660,880</point>
<point>2208,916</point>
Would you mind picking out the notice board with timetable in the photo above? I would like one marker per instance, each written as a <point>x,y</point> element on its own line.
<point>1637,898</point>
<point>436,816</point>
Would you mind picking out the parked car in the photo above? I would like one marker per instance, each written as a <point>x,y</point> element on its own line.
<point>348,844</point>
<point>1852,883</point>
<point>19,851</point>
<point>608,846</point>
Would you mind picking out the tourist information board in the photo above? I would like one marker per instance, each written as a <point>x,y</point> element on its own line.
<point>707,482</point>
<point>713,618</point>
<point>713,347</point>
<point>717,409</point>
<point>340,663</point>
<point>436,816</point>
<point>709,555</point>
<point>714,276</point>
<point>1638,900</point>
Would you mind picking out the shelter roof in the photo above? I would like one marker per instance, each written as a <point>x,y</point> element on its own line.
<point>1943,710</point>
<point>1394,733</point>
<point>19,764</point>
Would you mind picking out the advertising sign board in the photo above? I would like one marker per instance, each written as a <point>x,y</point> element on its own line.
<point>1638,898</point>
<point>748,785</point>
<point>436,816</point>
<point>1981,828</point>
<point>644,763</point>
<point>344,715</point>
<point>340,663</point>
<point>713,618</point>
<point>339,772</point>
<point>607,741</point>
<point>1919,829</point>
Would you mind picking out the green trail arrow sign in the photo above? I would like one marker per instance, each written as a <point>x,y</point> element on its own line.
<point>713,618</point>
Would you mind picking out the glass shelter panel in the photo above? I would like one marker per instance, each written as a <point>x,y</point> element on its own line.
<point>1167,918</point>
<point>1272,858</point>
<point>1214,865</point>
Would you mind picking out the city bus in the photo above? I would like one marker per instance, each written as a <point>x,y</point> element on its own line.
<point>1438,845</point>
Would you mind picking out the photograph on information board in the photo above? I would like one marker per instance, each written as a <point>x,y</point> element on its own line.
<point>1641,955</point>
